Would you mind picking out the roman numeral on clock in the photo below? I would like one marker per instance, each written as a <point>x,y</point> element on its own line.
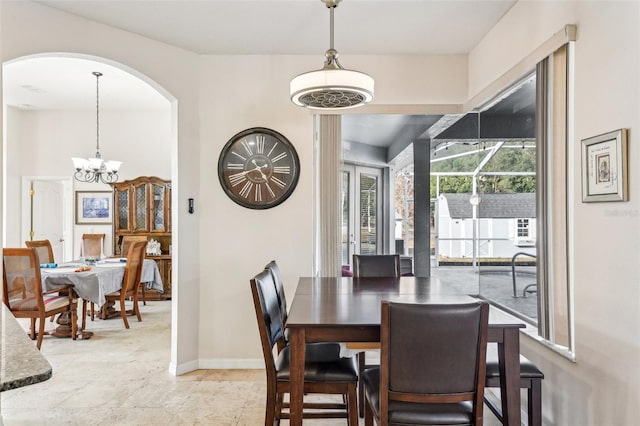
<point>246,189</point>
<point>238,155</point>
<point>279,157</point>
<point>284,170</point>
<point>271,193</point>
<point>260,143</point>
<point>235,166</point>
<point>237,178</point>
<point>247,147</point>
<point>278,182</point>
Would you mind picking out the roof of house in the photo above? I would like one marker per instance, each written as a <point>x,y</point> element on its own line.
<point>502,206</point>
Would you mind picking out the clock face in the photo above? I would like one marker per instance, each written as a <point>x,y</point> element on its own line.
<point>258,168</point>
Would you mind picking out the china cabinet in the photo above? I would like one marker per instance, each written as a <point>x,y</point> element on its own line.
<point>142,207</point>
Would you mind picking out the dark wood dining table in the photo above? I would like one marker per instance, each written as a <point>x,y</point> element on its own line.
<point>346,309</point>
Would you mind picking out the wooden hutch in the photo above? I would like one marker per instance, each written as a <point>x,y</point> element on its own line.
<point>142,207</point>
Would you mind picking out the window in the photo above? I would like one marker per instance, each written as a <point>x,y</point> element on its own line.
<point>522,230</point>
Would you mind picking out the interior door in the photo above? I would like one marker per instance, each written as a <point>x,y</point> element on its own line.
<point>47,215</point>
<point>361,211</point>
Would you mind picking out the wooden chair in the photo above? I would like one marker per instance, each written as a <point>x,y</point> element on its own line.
<point>45,252</point>
<point>530,379</point>
<point>22,291</point>
<point>92,245</point>
<point>432,365</point>
<point>378,265</point>
<point>127,240</point>
<point>335,376</point>
<point>131,280</point>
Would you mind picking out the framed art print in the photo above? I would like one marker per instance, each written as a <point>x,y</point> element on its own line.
<point>94,208</point>
<point>604,167</point>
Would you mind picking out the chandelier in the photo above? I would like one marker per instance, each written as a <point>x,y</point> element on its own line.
<point>96,169</point>
<point>331,87</point>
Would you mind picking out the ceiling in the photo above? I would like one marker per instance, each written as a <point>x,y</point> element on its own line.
<point>251,27</point>
<point>300,26</point>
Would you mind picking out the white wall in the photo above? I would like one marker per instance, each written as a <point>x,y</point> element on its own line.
<point>140,139</point>
<point>14,131</point>
<point>603,386</point>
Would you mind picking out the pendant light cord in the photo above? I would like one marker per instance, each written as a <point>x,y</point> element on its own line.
<point>331,26</point>
<point>97,74</point>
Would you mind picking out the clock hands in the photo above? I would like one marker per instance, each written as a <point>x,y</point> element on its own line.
<point>256,169</point>
<point>259,168</point>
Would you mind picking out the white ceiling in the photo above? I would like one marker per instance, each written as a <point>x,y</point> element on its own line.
<point>300,26</point>
<point>245,27</point>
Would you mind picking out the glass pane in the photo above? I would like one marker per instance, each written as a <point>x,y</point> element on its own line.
<point>345,218</point>
<point>158,207</point>
<point>141,208</point>
<point>368,204</point>
<point>506,213</point>
<point>123,209</point>
<point>455,156</point>
<point>404,220</point>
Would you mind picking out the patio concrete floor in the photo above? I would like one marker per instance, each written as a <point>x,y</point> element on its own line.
<point>495,284</point>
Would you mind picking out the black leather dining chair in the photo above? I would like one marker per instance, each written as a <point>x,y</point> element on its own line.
<point>371,266</point>
<point>432,365</point>
<point>530,379</point>
<point>376,265</point>
<point>329,375</point>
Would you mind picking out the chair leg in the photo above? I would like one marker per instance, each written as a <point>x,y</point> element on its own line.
<point>534,409</point>
<point>74,321</point>
<point>40,331</point>
<point>136,308</point>
<point>352,405</point>
<point>32,333</point>
<point>270,409</point>
<point>84,314</point>
<point>123,313</point>
<point>368,414</point>
<point>144,293</point>
<point>361,365</point>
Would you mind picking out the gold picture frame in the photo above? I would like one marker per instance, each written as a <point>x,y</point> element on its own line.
<point>605,167</point>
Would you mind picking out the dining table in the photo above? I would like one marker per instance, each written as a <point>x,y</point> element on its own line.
<point>93,282</point>
<point>347,309</point>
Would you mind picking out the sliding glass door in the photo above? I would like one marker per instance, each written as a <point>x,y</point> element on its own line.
<point>361,211</point>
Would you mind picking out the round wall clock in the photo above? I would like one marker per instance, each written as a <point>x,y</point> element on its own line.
<point>258,168</point>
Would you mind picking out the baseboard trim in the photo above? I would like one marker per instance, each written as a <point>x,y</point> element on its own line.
<point>216,364</point>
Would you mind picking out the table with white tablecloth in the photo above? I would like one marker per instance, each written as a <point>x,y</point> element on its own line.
<point>103,278</point>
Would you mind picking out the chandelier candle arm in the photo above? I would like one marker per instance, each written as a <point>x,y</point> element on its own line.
<point>331,87</point>
<point>96,169</point>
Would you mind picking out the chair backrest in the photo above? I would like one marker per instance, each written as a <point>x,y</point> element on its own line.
<point>133,270</point>
<point>433,353</point>
<point>277,279</point>
<point>21,281</point>
<point>92,245</point>
<point>267,307</point>
<point>45,252</point>
<point>376,265</point>
<point>127,240</point>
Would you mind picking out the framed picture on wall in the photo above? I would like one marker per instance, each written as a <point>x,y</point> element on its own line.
<point>604,167</point>
<point>94,208</point>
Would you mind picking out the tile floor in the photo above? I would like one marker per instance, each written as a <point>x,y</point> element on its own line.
<point>120,377</point>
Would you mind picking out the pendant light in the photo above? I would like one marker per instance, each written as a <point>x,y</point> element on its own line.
<point>96,169</point>
<point>331,87</point>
